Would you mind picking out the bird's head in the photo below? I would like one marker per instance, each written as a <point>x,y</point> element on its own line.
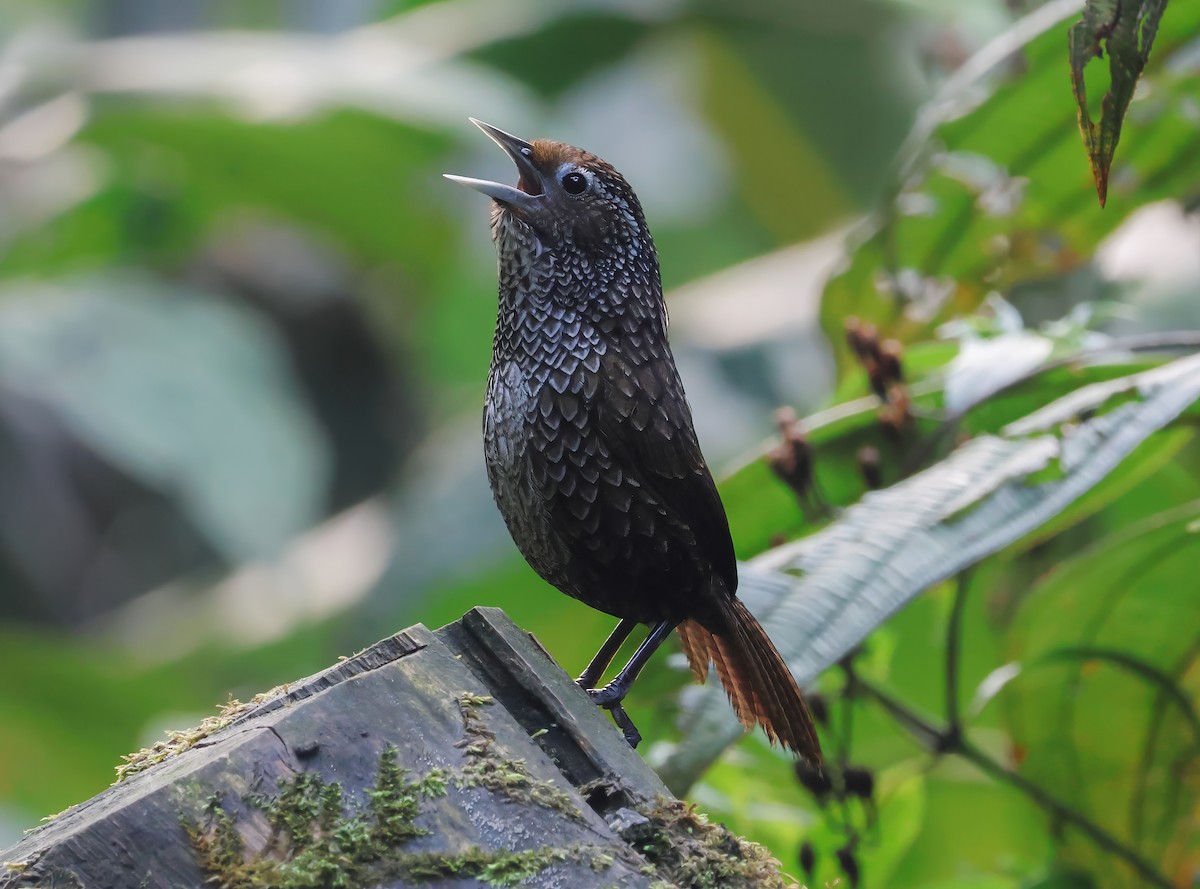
<point>566,200</point>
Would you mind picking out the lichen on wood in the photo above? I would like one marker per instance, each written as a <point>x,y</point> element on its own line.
<point>179,741</point>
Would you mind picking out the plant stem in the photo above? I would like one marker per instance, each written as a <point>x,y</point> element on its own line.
<point>954,650</point>
<point>948,741</point>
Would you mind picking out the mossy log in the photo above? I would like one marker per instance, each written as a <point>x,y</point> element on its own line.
<point>461,757</point>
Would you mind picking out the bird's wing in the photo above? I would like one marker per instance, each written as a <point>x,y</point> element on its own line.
<point>644,417</point>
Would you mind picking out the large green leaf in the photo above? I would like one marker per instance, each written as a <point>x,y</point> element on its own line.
<point>902,540</point>
<point>991,192</point>
<point>1103,704</point>
<point>365,184</point>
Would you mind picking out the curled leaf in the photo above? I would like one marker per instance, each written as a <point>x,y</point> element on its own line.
<point>1126,28</point>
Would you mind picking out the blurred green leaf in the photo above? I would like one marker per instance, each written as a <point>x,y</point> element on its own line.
<point>554,59</point>
<point>188,393</point>
<point>1004,837</point>
<point>785,181</point>
<point>988,193</point>
<point>1127,30</point>
<point>903,799</point>
<point>1064,879</point>
<point>366,184</point>
<point>357,178</point>
<point>812,98</point>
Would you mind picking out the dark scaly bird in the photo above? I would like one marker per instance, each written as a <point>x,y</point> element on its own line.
<point>588,437</point>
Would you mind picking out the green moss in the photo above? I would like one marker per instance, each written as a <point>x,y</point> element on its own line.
<point>224,841</point>
<point>394,804</point>
<point>488,767</point>
<point>685,850</point>
<point>495,868</point>
<point>314,843</point>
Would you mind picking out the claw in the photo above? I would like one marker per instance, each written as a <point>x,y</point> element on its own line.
<point>610,698</point>
<point>632,736</point>
<point>607,697</point>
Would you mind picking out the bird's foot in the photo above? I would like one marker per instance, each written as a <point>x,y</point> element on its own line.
<point>609,696</point>
<point>632,736</point>
<point>610,699</point>
<point>587,681</point>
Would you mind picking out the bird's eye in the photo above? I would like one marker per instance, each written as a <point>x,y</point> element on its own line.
<point>574,183</point>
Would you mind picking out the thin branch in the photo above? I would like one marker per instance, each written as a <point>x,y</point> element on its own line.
<point>945,741</point>
<point>846,724</point>
<point>954,651</point>
<point>1064,813</point>
<point>925,732</point>
<point>1149,342</point>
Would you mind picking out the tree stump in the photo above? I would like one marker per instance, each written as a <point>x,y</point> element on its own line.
<point>458,758</point>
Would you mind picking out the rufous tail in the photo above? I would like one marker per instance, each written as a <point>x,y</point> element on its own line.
<point>760,687</point>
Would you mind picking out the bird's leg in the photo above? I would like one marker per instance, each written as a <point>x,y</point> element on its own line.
<point>611,696</point>
<point>628,730</point>
<point>591,675</point>
<point>615,691</point>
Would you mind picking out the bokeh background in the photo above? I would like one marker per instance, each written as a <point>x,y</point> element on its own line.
<point>245,327</point>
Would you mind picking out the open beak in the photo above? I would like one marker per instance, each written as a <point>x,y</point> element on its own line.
<point>529,186</point>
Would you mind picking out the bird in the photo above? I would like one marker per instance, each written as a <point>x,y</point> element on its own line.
<point>590,447</point>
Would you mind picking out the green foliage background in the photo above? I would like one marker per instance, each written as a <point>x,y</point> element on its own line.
<point>959,183</point>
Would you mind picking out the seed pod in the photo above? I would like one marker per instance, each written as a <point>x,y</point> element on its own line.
<point>849,865</point>
<point>818,707</point>
<point>808,858</point>
<point>814,780</point>
<point>859,782</point>
<point>870,465</point>
<point>893,414</point>
<point>792,459</point>
<point>891,368</point>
